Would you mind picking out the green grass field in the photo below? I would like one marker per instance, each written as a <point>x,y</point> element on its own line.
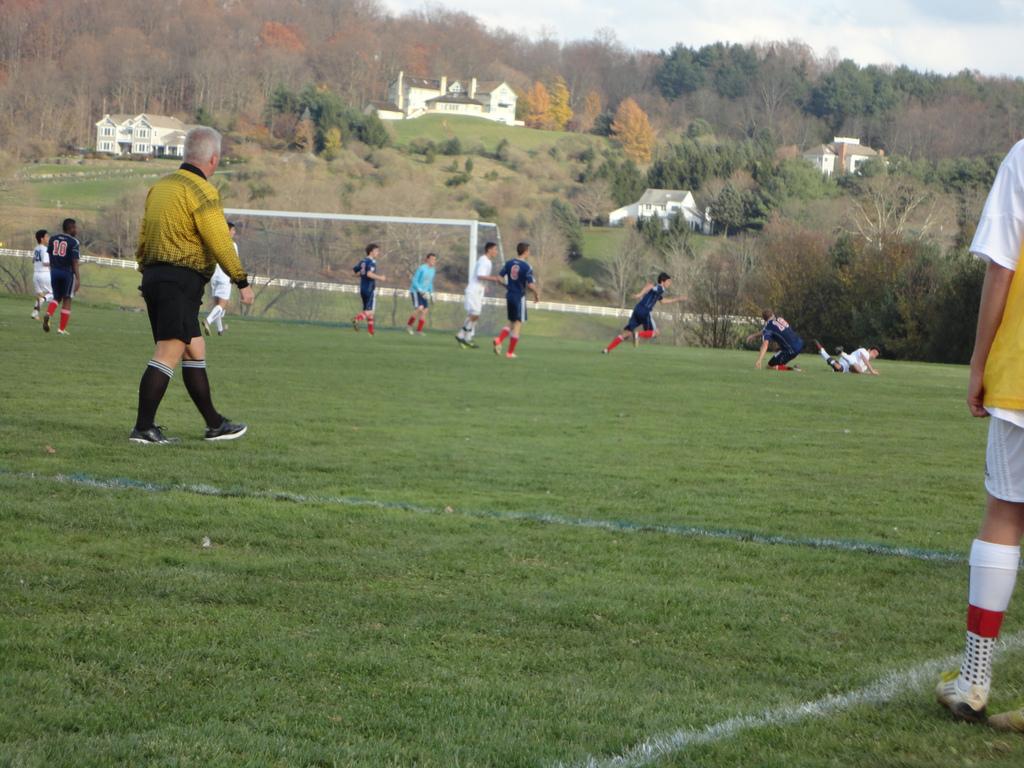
<point>423,556</point>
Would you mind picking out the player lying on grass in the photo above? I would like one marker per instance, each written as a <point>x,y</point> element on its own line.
<point>778,330</point>
<point>421,286</point>
<point>643,313</point>
<point>996,389</point>
<point>519,276</point>
<point>858,361</point>
<point>368,279</point>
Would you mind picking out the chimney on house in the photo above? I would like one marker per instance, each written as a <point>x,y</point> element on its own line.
<point>400,100</point>
<point>444,84</point>
<point>472,88</point>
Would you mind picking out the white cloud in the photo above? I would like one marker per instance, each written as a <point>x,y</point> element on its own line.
<point>940,35</point>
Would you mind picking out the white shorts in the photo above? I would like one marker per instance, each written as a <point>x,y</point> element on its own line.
<point>474,300</point>
<point>221,290</point>
<point>41,283</point>
<point>1004,461</point>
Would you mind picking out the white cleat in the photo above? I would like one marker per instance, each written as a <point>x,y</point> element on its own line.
<point>969,705</point>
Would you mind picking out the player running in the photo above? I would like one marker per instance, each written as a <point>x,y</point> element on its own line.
<point>858,361</point>
<point>421,285</point>
<point>643,313</point>
<point>778,330</point>
<point>63,250</point>
<point>519,279</point>
<point>41,273</point>
<point>474,298</point>
<point>220,287</point>
<point>368,279</point>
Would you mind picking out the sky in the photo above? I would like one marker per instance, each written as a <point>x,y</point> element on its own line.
<point>939,35</point>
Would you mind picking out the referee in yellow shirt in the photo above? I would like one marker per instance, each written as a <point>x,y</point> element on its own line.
<point>184,237</point>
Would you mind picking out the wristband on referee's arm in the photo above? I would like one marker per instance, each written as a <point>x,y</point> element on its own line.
<point>243,283</point>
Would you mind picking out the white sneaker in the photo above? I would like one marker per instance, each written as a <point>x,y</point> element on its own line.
<point>969,705</point>
<point>35,314</point>
<point>63,333</point>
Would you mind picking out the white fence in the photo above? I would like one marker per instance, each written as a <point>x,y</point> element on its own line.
<point>317,285</point>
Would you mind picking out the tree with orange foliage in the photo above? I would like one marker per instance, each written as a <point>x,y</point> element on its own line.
<point>538,106</point>
<point>633,130</point>
<point>281,36</point>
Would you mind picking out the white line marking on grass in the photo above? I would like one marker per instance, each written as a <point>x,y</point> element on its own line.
<point>545,518</point>
<point>881,691</point>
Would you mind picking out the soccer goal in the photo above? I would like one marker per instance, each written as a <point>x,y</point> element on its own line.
<point>302,261</point>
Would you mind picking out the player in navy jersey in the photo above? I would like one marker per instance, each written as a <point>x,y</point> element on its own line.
<point>643,312</point>
<point>519,279</point>
<point>368,279</point>
<point>63,250</point>
<point>778,330</point>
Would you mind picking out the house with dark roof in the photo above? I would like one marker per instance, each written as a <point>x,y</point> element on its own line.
<point>843,155</point>
<point>411,97</point>
<point>665,204</point>
<point>143,134</point>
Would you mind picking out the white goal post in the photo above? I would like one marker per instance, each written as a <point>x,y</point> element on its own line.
<point>471,225</point>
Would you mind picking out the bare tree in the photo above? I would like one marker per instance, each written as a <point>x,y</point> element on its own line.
<point>592,200</point>
<point>716,286</point>
<point>890,208</point>
<point>626,268</point>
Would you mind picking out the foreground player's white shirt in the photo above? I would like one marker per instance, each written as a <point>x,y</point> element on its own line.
<point>1000,233</point>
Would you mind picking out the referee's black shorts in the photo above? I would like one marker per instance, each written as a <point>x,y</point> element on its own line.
<point>173,297</point>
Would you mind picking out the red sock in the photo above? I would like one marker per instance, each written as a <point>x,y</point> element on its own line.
<point>419,326</point>
<point>412,319</point>
<point>65,315</point>
<point>369,326</point>
<point>646,334</point>
<point>51,308</point>
<point>359,317</point>
<point>512,344</point>
<point>503,335</point>
<point>615,342</point>
<point>984,623</point>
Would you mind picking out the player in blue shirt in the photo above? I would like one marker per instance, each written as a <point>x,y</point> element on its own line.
<point>422,284</point>
<point>63,250</point>
<point>518,276</point>
<point>643,313</point>
<point>778,330</point>
<point>368,279</point>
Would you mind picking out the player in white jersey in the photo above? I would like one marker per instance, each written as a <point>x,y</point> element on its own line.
<point>475,291</point>
<point>220,287</point>
<point>858,361</point>
<point>41,273</point>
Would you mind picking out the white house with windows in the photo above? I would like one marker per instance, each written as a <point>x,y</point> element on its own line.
<point>411,97</point>
<point>843,155</point>
<point>155,135</point>
<point>665,204</point>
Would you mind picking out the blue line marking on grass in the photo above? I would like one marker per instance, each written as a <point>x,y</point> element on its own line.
<point>545,518</point>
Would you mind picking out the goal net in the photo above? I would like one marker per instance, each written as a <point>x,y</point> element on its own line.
<point>302,262</point>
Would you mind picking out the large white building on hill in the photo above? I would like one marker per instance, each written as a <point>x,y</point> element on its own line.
<point>843,155</point>
<point>156,135</point>
<point>665,204</point>
<point>410,97</point>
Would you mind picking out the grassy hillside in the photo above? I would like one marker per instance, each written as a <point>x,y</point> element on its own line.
<point>472,132</point>
<point>427,556</point>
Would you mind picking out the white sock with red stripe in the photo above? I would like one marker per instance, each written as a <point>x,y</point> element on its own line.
<point>993,576</point>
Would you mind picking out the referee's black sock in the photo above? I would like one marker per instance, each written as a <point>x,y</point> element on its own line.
<point>151,392</point>
<point>193,373</point>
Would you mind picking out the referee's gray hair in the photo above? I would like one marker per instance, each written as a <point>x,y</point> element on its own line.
<point>201,143</point>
